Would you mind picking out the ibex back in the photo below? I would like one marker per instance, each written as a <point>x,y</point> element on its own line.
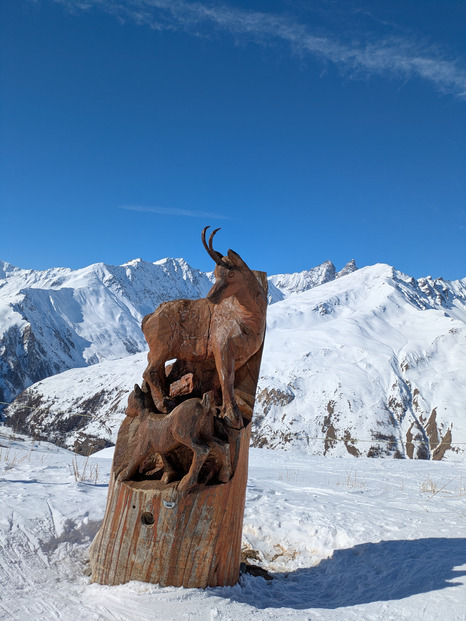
<point>227,327</point>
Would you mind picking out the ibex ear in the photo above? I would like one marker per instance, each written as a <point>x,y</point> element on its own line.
<point>235,259</point>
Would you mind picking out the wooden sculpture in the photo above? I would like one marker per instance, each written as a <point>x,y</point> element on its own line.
<point>190,424</point>
<point>226,327</point>
<point>177,488</point>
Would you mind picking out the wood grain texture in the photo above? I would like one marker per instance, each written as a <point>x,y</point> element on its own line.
<point>193,541</point>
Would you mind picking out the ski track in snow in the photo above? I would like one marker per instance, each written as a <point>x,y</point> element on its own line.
<point>345,539</point>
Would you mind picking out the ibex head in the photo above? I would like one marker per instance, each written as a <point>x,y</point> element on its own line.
<point>229,272</point>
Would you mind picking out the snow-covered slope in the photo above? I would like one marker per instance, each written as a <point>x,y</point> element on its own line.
<point>80,409</point>
<point>370,364</point>
<point>60,319</point>
<point>367,365</point>
<point>380,540</point>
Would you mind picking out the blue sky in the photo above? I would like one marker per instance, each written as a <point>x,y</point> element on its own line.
<point>331,129</point>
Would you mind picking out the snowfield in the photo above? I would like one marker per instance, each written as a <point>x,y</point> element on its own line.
<point>343,538</point>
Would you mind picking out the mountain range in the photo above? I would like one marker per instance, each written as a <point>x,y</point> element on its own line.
<point>60,319</point>
<point>366,362</point>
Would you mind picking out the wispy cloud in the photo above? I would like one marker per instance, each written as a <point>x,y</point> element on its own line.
<point>169,211</point>
<point>398,57</point>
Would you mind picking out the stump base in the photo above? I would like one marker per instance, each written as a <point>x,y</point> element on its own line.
<point>153,533</point>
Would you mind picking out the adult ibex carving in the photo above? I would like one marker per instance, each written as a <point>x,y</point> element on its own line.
<point>226,327</point>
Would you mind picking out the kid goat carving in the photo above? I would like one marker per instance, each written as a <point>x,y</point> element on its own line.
<point>190,424</point>
<point>226,327</point>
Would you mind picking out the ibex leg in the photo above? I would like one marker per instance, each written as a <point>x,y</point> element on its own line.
<point>222,452</point>
<point>131,469</point>
<point>225,362</point>
<point>169,473</point>
<point>157,382</point>
<point>201,452</point>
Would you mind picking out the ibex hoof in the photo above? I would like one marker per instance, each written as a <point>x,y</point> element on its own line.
<point>233,419</point>
<point>123,475</point>
<point>234,424</point>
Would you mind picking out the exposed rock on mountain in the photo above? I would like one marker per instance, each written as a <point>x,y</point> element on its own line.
<point>375,363</point>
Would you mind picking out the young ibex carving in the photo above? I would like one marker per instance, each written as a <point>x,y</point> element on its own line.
<point>227,327</point>
<point>190,424</point>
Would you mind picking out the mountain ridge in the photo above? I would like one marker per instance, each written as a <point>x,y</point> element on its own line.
<point>371,364</point>
<point>56,319</point>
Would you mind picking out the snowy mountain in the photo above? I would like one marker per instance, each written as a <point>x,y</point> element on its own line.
<point>369,364</point>
<point>60,319</point>
<point>288,284</point>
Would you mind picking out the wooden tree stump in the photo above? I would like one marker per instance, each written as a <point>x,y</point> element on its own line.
<point>175,506</point>
<point>154,533</point>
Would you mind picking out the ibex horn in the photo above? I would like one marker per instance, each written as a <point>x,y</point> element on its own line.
<point>216,256</point>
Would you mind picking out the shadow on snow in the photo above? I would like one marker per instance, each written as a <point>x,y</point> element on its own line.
<point>370,572</point>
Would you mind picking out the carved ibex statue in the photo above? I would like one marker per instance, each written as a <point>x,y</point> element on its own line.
<point>227,327</point>
<point>190,424</point>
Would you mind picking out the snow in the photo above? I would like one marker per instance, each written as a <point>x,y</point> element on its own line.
<point>58,319</point>
<point>97,395</point>
<point>344,539</point>
<point>374,355</point>
<point>371,363</point>
<point>282,286</point>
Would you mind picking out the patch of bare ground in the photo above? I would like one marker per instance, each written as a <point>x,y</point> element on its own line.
<point>247,555</point>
